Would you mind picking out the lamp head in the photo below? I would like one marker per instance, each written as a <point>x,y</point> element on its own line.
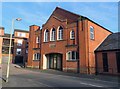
<point>18,19</point>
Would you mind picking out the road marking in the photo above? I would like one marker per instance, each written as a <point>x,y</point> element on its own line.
<point>90,84</point>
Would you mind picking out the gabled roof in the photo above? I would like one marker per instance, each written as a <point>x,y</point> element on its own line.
<point>63,14</point>
<point>112,42</point>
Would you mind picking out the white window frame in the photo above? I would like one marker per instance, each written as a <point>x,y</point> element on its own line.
<point>60,33</point>
<point>52,34</point>
<point>46,35</point>
<point>18,50</point>
<point>92,34</point>
<point>19,42</point>
<point>72,34</point>
<point>20,34</point>
<point>36,56</point>
<point>70,57</point>
<point>37,39</point>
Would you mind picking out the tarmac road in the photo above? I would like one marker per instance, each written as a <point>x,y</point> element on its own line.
<point>20,77</point>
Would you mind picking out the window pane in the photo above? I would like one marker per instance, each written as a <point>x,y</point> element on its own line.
<point>72,35</point>
<point>91,33</point>
<point>53,35</point>
<point>69,56</point>
<point>19,42</point>
<point>60,35</point>
<point>18,51</point>
<point>73,55</point>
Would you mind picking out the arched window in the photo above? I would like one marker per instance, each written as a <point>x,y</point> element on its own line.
<point>72,34</point>
<point>52,38</point>
<point>60,33</point>
<point>46,35</point>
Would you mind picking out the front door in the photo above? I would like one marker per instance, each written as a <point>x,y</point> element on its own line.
<point>55,61</point>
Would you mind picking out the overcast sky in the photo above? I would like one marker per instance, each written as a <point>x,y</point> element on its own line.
<point>104,13</point>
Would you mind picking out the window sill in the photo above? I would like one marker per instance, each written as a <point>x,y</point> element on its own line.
<point>59,39</point>
<point>92,39</point>
<point>36,60</point>
<point>36,48</point>
<point>71,45</point>
<point>72,39</point>
<point>45,41</point>
<point>52,41</point>
<point>71,60</point>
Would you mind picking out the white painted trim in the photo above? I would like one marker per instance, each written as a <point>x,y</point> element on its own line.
<point>44,62</point>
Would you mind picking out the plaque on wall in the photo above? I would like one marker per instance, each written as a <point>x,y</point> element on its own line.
<point>52,45</point>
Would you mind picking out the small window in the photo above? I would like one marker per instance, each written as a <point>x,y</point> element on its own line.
<point>91,33</point>
<point>21,34</point>
<point>72,55</point>
<point>60,33</point>
<point>72,34</point>
<point>37,40</point>
<point>53,35</point>
<point>36,56</point>
<point>46,35</point>
<point>19,43</point>
<point>18,52</point>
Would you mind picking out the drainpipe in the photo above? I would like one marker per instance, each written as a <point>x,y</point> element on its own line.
<point>40,48</point>
<point>88,49</point>
<point>78,51</point>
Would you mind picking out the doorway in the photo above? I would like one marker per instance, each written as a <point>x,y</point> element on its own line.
<point>118,61</point>
<point>54,61</point>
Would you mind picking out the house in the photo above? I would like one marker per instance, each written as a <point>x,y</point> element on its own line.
<point>66,42</point>
<point>108,55</point>
<point>5,47</point>
<point>19,46</point>
<point>20,50</point>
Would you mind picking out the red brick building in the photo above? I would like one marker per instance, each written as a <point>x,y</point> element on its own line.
<point>108,55</point>
<point>66,42</point>
<point>1,41</point>
<point>20,50</point>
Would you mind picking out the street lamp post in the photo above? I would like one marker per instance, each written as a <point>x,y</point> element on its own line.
<point>8,65</point>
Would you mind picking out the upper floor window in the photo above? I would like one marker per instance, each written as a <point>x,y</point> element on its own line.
<point>37,39</point>
<point>36,56</point>
<point>52,35</point>
<point>72,55</point>
<point>19,43</point>
<point>60,33</point>
<point>92,33</point>
<point>21,34</point>
<point>72,34</point>
<point>46,35</point>
<point>18,51</point>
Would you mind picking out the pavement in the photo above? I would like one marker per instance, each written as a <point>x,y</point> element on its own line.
<point>101,77</point>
